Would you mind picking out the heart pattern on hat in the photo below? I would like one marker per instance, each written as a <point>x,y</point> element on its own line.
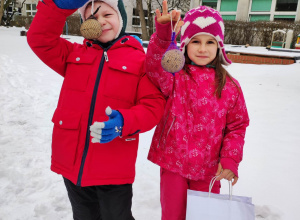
<point>204,22</point>
<point>184,27</point>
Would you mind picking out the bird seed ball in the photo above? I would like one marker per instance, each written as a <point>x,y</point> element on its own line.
<point>91,29</point>
<point>173,61</point>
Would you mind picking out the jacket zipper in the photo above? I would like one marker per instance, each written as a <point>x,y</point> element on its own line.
<point>105,55</point>
<point>163,130</point>
<point>171,126</point>
<point>91,115</point>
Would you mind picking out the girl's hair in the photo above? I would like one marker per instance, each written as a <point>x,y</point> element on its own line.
<point>220,75</point>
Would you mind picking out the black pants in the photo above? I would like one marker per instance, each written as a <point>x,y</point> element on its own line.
<point>107,202</point>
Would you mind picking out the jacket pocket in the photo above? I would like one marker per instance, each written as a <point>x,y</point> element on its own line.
<point>65,137</point>
<point>78,71</point>
<point>122,80</point>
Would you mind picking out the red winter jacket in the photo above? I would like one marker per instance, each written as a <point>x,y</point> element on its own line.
<point>95,78</point>
<point>198,130</point>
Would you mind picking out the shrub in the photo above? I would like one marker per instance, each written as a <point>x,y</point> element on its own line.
<point>74,23</point>
<point>257,33</point>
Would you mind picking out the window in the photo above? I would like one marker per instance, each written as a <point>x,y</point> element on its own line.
<point>30,9</point>
<point>261,5</point>
<point>286,5</point>
<point>136,18</point>
<point>9,9</point>
<point>285,10</point>
<point>284,17</point>
<point>228,17</point>
<point>136,13</point>
<point>229,5</point>
<point>259,17</point>
<point>136,21</point>
<point>210,3</point>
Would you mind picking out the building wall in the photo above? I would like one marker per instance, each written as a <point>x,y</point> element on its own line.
<point>29,7</point>
<point>242,10</point>
<point>254,10</point>
<point>130,6</point>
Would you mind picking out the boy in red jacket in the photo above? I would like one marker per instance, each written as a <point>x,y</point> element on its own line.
<point>105,98</point>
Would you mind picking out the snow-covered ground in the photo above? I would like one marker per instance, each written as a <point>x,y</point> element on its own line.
<point>28,96</point>
<point>275,52</point>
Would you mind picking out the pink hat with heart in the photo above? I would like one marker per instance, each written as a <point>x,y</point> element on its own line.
<point>204,20</point>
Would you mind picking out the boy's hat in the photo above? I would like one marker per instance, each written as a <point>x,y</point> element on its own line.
<point>204,20</point>
<point>118,6</point>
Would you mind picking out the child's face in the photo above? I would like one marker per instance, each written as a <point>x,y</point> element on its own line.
<point>202,49</point>
<point>108,19</point>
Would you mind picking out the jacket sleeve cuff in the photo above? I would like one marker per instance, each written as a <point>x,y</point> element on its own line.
<point>228,163</point>
<point>128,122</point>
<point>163,31</point>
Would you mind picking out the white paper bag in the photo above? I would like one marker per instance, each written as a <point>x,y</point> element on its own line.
<point>211,206</point>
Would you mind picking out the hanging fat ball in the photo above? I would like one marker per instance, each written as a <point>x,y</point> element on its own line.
<point>173,61</point>
<point>91,29</point>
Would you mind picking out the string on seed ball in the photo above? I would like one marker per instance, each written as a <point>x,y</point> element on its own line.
<point>173,59</point>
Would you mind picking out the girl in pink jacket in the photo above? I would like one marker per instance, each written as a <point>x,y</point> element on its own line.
<point>202,132</point>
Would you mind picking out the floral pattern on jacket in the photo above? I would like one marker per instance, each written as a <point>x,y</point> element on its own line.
<point>198,130</point>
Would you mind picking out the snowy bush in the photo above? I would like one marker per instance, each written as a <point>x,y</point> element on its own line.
<point>21,21</point>
<point>257,33</point>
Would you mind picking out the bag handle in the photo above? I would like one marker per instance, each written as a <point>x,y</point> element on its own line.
<point>212,182</point>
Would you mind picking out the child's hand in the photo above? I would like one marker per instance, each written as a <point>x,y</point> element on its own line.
<point>165,17</point>
<point>104,132</point>
<point>69,4</point>
<point>226,174</point>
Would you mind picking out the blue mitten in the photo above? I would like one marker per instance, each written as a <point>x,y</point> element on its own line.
<point>69,4</point>
<point>105,132</point>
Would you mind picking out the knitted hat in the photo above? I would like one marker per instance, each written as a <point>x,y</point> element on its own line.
<point>204,20</point>
<point>118,6</point>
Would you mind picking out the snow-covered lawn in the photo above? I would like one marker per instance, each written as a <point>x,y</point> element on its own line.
<point>28,96</point>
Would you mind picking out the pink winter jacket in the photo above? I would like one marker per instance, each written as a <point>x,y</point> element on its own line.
<point>198,130</point>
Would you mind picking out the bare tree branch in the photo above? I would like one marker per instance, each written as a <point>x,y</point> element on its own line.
<point>9,18</point>
<point>4,7</point>
<point>183,5</point>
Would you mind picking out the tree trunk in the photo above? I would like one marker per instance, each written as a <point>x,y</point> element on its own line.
<point>139,7</point>
<point>150,18</point>
<point>1,11</point>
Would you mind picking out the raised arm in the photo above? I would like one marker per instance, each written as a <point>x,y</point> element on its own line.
<point>158,45</point>
<point>44,35</point>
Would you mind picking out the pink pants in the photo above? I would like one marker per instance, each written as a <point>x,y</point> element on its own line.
<point>173,193</point>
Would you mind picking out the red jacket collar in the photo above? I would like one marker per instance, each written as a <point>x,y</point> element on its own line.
<point>123,41</point>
